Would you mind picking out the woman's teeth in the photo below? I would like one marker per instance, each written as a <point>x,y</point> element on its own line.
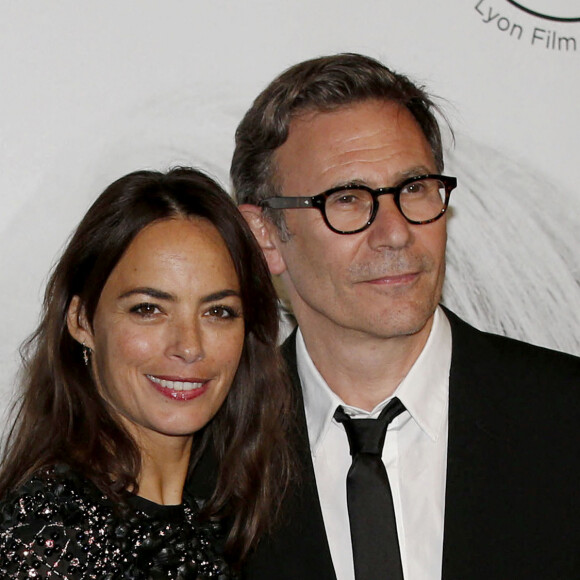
<point>175,385</point>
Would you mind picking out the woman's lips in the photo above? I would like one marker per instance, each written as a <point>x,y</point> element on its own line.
<point>178,388</point>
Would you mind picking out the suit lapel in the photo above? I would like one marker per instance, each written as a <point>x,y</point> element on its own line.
<point>298,548</point>
<point>482,444</point>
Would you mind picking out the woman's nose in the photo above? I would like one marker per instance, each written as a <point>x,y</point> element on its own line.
<point>186,342</point>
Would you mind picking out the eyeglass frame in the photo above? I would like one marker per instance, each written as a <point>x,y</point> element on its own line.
<point>319,201</point>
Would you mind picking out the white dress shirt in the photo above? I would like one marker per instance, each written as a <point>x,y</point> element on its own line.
<point>415,456</point>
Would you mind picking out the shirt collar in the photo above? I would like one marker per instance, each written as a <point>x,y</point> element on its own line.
<point>424,391</point>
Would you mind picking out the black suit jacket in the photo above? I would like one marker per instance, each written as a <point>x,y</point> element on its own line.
<point>513,479</point>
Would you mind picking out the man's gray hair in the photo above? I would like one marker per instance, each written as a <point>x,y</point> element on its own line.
<point>317,85</point>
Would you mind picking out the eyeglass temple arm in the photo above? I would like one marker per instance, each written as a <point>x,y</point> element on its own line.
<point>287,202</point>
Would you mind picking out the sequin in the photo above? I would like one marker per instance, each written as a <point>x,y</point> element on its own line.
<point>59,525</point>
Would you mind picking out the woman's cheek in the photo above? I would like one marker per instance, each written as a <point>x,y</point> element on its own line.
<point>138,345</point>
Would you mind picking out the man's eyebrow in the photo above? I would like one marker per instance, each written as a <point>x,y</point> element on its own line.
<point>152,292</point>
<point>398,177</point>
<point>415,172</point>
<point>221,294</point>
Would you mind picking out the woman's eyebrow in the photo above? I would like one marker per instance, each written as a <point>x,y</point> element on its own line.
<point>219,295</point>
<point>153,292</point>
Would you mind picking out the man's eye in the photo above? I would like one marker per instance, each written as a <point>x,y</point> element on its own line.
<point>425,187</point>
<point>349,198</point>
<point>416,187</point>
<point>346,199</point>
<point>145,309</point>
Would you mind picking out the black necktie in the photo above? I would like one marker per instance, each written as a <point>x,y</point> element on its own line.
<point>373,529</point>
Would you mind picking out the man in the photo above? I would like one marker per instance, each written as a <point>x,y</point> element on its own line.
<point>337,169</point>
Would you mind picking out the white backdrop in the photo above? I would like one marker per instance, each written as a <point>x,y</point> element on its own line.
<point>94,89</point>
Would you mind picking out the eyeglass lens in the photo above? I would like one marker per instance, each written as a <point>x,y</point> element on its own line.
<point>350,209</point>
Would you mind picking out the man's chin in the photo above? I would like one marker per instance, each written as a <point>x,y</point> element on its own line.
<point>405,321</point>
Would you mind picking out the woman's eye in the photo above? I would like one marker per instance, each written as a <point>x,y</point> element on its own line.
<point>222,312</point>
<point>145,309</point>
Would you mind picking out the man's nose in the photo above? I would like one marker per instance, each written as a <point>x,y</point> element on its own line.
<point>390,229</point>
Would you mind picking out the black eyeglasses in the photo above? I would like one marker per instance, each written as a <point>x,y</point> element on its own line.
<point>350,209</point>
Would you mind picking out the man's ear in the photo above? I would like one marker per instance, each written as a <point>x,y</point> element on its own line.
<point>267,235</point>
<point>77,323</point>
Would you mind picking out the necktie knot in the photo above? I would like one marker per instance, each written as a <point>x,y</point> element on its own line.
<point>368,435</point>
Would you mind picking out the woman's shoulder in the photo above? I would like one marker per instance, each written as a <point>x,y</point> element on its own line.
<point>43,522</point>
<point>52,494</point>
<point>58,523</point>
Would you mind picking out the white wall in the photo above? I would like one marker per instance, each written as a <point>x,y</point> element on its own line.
<point>94,89</point>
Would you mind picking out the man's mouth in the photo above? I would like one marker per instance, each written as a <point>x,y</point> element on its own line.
<point>394,279</point>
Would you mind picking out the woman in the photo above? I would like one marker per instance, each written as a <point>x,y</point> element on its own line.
<point>159,322</point>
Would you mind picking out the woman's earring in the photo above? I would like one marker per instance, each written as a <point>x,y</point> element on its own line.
<point>86,352</point>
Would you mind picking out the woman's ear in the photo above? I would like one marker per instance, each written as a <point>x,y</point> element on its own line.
<point>77,323</point>
<point>267,235</point>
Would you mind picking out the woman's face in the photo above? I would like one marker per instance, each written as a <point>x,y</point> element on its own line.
<point>168,330</point>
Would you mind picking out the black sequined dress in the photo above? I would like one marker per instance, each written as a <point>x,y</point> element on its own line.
<point>59,525</point>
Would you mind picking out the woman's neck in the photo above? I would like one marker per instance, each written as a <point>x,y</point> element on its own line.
<point>164,466</point>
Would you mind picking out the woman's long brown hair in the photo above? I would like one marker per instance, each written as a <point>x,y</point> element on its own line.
<point>60,416</point>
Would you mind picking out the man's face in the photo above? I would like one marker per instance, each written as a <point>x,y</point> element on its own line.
<point>385,281</point>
